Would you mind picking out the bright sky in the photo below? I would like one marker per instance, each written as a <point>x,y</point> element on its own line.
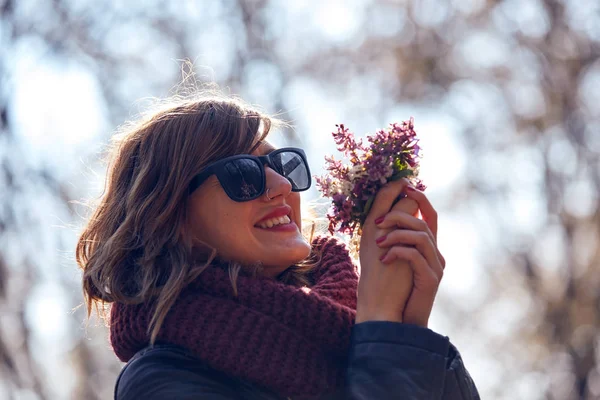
<point>58,112</point>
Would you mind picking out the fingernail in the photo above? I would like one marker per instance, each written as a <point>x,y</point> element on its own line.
<point>379,220</point>
<point>382,257</point>
<point>380,239</point>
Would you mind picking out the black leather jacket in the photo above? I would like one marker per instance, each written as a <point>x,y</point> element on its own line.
<point>386,361</point>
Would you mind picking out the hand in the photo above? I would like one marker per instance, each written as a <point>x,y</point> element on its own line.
<point>415,241</point>
<point>383,289</point>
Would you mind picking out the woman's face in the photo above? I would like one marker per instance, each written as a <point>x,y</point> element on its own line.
<point>234,228</point>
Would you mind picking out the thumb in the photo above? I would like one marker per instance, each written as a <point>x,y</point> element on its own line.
<point>384,200</point>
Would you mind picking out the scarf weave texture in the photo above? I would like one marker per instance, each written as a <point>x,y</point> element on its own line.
<point>290,340</point>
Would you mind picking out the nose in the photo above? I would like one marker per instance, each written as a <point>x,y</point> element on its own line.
<point>277,184</point>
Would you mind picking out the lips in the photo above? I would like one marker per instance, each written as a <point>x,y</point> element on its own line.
<point>276,213</point>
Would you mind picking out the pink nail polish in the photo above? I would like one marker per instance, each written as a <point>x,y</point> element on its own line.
<point>382,257</point>
<point>380,239</point>
<point>379,220</point>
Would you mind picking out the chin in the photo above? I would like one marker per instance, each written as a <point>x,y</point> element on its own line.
<point>301,250</point>
<point>289,256</point>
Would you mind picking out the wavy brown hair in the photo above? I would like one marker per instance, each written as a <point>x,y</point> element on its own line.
<point>134,248</point>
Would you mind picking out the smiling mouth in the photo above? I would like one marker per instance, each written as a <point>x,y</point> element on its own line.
<point>274,222</point>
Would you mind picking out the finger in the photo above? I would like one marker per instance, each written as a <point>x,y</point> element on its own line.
<point>421,241</point>
<point>423,276</point>
<point>428,213</point>
<point>407,205</point>
<point>399,219</point>
<point>385,198</point>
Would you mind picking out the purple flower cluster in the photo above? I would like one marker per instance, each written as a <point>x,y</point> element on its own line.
<point>392,154</point>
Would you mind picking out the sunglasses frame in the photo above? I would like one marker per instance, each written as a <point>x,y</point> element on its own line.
<point>217,168</point>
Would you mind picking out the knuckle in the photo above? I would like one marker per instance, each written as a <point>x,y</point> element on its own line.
<point>423,237</point>
<point>395,186</point>
<point>399,252</point>
<point>392,235</point>
<point>432,282</point>
<point>396,250</point>
<point>406,205</point>
<point>413,254</point>
<point>391,216</point>
<point>383,231</point>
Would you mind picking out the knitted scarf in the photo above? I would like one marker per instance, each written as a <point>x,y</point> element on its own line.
<point>290,340</point>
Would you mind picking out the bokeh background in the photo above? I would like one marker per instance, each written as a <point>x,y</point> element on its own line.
<point>506,100</point>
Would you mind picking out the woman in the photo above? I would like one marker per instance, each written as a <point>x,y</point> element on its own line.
<point>216,294</point>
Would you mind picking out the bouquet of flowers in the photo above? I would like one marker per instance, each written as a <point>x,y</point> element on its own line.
<point>392,154</point>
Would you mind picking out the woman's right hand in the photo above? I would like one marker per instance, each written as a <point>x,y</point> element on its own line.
<point>383,289</point>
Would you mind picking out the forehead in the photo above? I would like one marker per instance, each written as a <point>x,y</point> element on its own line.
<point>264,148</point>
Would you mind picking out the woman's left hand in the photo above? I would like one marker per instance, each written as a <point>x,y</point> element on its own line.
<point>415,240</point>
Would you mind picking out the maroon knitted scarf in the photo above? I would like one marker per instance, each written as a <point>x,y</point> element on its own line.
<point>290,340</point>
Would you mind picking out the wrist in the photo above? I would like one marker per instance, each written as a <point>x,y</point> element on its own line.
<point>364,316</point>
<point>422,322</point>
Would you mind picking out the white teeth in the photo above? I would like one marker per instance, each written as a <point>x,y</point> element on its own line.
<point>274,222</point>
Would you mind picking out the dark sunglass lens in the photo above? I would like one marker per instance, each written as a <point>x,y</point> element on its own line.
<point>292,166</point>
<point>243,178</point>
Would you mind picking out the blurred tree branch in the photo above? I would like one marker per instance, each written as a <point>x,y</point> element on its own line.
<point>514,79</point>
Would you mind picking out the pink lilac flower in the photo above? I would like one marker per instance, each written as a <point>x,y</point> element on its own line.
<point>392,154</point>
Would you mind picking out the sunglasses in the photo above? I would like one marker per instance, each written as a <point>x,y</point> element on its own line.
<point>243,176</point>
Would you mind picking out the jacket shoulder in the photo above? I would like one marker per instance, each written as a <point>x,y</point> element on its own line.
<point>170,372</point>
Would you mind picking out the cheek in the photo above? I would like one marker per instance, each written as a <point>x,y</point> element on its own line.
<point>294,202</point>
<point>216,219</point>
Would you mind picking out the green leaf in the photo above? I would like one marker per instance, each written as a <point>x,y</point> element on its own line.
<point>367,208</point>
<point>405,173</point>
<point>399,165</point>
<point>369,204</point>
